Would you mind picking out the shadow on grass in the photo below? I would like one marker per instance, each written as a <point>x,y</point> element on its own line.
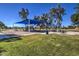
<point>2,50</point>
<point>11,38</point>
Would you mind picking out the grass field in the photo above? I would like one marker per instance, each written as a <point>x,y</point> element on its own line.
<point>40,45</point>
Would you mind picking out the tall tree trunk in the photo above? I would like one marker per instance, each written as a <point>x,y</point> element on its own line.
<point>57,25</point>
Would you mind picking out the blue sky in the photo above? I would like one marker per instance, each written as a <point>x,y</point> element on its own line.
<point>9,11</point>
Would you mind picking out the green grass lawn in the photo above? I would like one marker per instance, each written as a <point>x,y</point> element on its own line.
<point>40,45</point>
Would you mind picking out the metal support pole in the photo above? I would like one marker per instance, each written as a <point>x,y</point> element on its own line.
<point>13,26</point>
<point>29,25</point>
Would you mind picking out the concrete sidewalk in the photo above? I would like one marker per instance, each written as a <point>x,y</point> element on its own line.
<point>9,34</point>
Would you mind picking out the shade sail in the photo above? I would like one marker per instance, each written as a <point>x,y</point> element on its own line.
<point>29,21</point>
<point>22,22</point>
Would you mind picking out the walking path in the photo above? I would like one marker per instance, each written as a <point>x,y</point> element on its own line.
<point>11,33</point>
<point>66,33</point>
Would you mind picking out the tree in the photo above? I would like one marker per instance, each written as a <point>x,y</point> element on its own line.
<point>75,16</point>
<point>2,26</point>
<point>36,17</point>
<point>52,16</point>
<point>44,19</point>
<point>57,13</point>
<point>24,14</point>
<point>77,8</point>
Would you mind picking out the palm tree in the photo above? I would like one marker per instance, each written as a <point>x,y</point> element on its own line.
<point>24,14</point>
<point>75,17</point>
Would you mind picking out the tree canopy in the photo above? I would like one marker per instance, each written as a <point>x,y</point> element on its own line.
<point>75,16</point>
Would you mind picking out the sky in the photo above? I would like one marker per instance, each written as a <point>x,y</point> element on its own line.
<point>9,11</point>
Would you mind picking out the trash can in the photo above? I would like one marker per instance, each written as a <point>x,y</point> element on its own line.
<point>47,32</point>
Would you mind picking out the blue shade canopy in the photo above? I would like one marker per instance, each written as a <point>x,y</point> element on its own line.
<point>22,22</point>
<point>29,20</point>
